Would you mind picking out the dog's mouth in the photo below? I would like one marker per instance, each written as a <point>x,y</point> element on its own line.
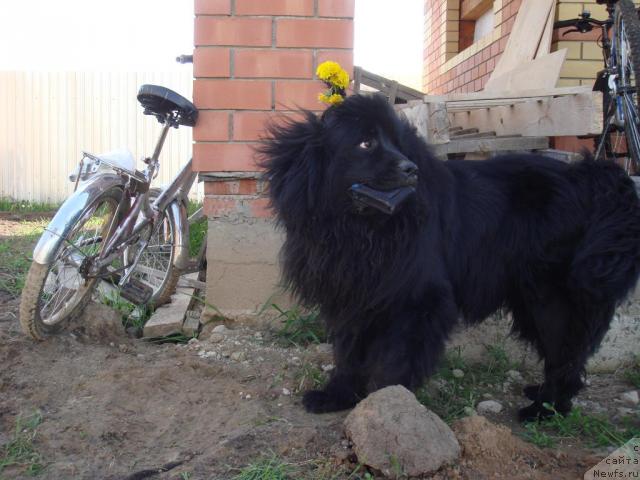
<point>386,201</point>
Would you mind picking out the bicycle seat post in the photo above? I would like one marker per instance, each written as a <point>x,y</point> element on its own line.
<point>163,135</point>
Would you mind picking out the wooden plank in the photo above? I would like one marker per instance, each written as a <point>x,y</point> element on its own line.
<point>542,72</point>
<point>488,145</point>
<point>474,135</point>
<point>545,41</point>
<point>553,116</point>
<point>519,94</point>
<point>464,131</point>
<point>430,119</point>
<point>386,85</point>
<point>525,35</point>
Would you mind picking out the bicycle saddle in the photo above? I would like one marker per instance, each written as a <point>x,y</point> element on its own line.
<point>160,101</point>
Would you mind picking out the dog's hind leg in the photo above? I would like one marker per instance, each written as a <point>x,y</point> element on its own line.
<point>569,334</point>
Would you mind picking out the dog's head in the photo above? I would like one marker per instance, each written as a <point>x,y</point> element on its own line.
<point>313,163</point>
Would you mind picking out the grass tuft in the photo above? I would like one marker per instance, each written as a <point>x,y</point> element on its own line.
<point>19,452</point>
<point>310,376</point>
<point>595,430</point>
<point>197,230</point>
<point>448,395</point>
<point>632,374</point>
<point>268,468</point>
<point>25,206</point>
<point>300,327</point>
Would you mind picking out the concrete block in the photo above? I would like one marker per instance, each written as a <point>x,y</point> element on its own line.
<point>243,274</point>
<point>168,319</point>
<point>191,325</point>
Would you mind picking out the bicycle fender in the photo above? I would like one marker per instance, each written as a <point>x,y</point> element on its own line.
<point>178,214</point>
<point>69,213</point>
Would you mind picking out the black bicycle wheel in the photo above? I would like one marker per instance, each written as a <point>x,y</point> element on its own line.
<point>623,115</point>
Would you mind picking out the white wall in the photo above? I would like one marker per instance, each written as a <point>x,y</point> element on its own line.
<point>48,118</point>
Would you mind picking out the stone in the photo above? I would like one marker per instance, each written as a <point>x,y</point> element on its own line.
<point>392,432</point>
<point>191,325</point>
<point>286,392</point>
<point>469,411</point>
<point>630,398</point>
<point>514,376</point>
<point>457,373</point>
<point>238,356</point>
<point>216,338</point>
<point>324,348</point>
<point>167,320</point>
<point>221,329</point>
<point>489,406</point>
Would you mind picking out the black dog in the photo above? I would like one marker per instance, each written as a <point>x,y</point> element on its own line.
<point>556,244</point>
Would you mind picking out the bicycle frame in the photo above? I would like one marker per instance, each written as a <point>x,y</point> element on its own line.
<point>138,216</point>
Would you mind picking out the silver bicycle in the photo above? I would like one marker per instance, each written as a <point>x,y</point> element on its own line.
<point>114,227</point>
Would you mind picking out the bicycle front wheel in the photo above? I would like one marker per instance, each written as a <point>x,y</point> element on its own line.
<point>55,293</point>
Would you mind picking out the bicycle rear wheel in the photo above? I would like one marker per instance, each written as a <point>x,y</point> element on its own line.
<point>621,111</point>
<point>156,267</point>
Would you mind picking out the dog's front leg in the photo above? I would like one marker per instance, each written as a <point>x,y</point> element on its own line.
<point>347,385</point>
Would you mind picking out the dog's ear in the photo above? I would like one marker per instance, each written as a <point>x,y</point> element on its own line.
<point>292,156</point>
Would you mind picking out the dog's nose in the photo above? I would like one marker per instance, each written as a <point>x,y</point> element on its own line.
<point>408,167</point>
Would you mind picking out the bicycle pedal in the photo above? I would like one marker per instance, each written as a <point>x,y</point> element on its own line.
<point>136,292</point>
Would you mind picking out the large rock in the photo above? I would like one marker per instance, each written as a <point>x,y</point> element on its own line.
<point>392,432</point>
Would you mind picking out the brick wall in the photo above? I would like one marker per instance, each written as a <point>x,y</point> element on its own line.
<point>447,70</point>
<point>253,60</point>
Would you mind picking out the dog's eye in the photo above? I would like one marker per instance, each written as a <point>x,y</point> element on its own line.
<point>366,145</point>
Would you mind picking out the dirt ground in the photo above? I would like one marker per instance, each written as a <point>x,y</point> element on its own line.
<point>122,408</point>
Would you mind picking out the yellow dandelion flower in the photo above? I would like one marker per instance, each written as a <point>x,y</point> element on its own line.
<point>328,69</point>
<point>331,99</point>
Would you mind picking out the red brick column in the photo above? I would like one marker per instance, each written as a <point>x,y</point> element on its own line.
<point>254,59</point>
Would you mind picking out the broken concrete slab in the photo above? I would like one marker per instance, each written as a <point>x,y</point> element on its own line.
<point>168,318</point>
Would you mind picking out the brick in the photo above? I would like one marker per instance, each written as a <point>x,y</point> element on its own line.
<point>293,95</point>
<point>211,62</point>
<point>314,33</point>
<point>232,94</point>
<point>343,57</point>
<point>224,157</point>
<point>248,126</point>
<point>212,7</point>
<point>590,51</point>
<point>212,126</point>
<point>273,63</point>
<point>302,8</point>
<point>223,206</point>
<point>573,49</point>
<point>251,32</point>
<point>336,8</point>
<point>245,186</point>
<point>580,69</point>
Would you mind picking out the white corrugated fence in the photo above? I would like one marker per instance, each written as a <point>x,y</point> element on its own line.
<point>48,118</point>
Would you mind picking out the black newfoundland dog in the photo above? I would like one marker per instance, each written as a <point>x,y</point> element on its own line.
<point>556,244</point>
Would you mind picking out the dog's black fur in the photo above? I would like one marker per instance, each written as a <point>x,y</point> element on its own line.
<point>555,244</point>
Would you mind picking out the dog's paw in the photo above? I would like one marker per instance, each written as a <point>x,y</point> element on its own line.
<point>532,392</point>
<point>321,401</point>
<point>535,411</point>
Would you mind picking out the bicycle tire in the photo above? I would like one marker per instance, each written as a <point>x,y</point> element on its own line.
<point>627,31</point>
<point>30,312</point>
<point>162,294</point>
